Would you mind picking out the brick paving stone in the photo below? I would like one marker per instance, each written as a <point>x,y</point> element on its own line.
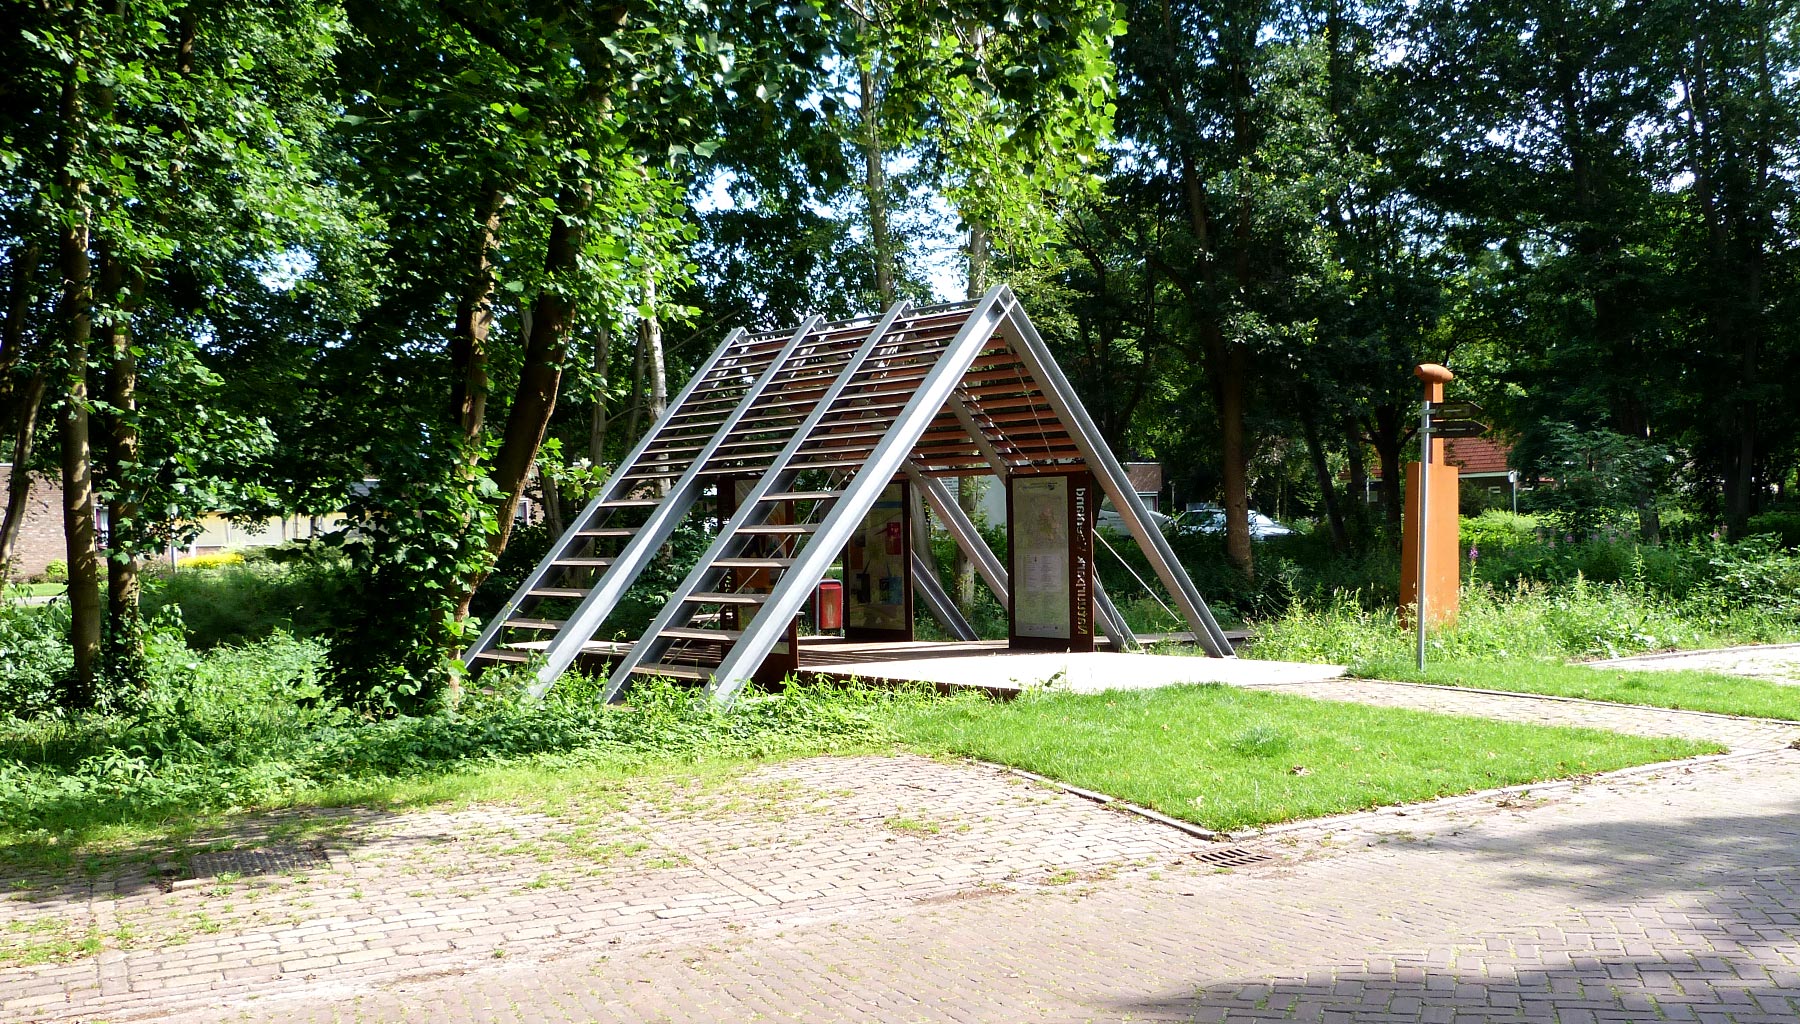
<point>1737,734</point>
<point>901,888</point>
<point>1480,913</point>
<point>795,844</point>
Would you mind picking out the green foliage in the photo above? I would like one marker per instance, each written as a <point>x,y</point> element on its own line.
<point>419,538</point>
<point>1783,525</point>
<point>251,725</point>
<point>1599,477</point>
<point>234,603</point>
<point>1581,619</point>
<point>1495,531</point>
<point>34,657</point>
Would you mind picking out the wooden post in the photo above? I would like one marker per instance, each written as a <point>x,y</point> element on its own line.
<point>1431,511</point>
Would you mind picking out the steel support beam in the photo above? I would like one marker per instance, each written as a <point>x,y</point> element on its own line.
<point>960,409</point>
<point>988,564</point>
<point>615,488</point>
<point>926,585</point>
<point>748,510</point>
<point>567,645</point>
<point>1113,622</point>
<point>974,547</point>
<point>1030,349</point>
<point>888,458</point>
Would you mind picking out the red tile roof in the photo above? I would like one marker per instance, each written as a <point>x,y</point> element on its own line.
<point>1146,477</point>
<point>1478,454</point>
<point>1472,455</point>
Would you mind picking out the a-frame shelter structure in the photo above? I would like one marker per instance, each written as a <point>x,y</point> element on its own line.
<point>810,439</point>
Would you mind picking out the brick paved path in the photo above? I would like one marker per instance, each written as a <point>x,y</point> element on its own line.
<point>1777,663</point>
<point>1670,896</point>
<point>907,889</point>
<point>401,894</point>
<point>1736,733</point>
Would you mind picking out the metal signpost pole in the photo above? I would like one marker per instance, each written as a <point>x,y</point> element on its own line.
<point>1424,521</point>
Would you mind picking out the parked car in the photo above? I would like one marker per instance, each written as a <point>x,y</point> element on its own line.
<point>1211,519</point>
<point>1110,520</point>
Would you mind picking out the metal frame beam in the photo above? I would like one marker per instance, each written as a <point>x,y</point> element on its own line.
<point>749,509</point>
<point>614,489</point>
<point>600,601</point>
<point>988,564</point>
<point>888,458</point>
<point>1030,349</point>
<point>960,409</point>
<point>967,536</point>
<point>926,585</point>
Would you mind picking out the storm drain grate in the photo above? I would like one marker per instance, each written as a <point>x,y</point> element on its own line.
<point>1233,857</point>
<point>247,863</point>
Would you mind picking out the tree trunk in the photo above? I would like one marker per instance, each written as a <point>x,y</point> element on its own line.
<point>875,181</point>
<point>650,339</point>
<point>969,488</point>
<point>635,411</point>
<point>18,305</point>
<point>1387,437</point>
<point>597,424</point>
<point>1334,515</point>
<point>124,649</point>
<point>1231,376</point>
<point>76,315</point>
<point>1359,473</point>
<point>539,379</point>
<point>553,510</point>
<point>28,403</point>
<point>474,321</point>
<point>18,489</point>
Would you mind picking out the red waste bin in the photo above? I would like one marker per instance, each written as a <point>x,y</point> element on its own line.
<point>828,605</point>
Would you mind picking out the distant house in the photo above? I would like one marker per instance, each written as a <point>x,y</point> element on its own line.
<point>1147,481</point>
<point>1481,460</point>
<point>41,535</point>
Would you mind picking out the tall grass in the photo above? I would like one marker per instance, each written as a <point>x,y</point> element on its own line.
<point>1581,619</point>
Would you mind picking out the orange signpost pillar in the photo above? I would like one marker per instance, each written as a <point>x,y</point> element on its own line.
<point>1430,574</point>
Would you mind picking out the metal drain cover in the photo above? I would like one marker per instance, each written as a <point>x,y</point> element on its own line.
<point>1233,857</point>
<point>246,863</point>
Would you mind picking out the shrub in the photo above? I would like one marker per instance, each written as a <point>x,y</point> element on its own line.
<point>1496,531</point>
<point>1782,525</point>
<point>34,657</point>
<point>57,571</point>
<point>252,724</point>
<point>249,600</point>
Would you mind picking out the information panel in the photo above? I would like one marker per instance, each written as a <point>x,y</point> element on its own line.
<point>1040,553</point>
<point>877,584</point>
<point>1051,539</point>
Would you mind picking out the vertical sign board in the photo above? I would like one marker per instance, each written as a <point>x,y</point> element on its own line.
<point>784,657</point>
<point>878,597</point>
<point>1050,541</point>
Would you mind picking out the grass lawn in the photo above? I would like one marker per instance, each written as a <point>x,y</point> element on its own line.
<point>1692,691</point>
<point>1228,759</point>
<point>36,589</point>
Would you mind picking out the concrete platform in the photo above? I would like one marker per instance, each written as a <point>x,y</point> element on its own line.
<point>989,665</point>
